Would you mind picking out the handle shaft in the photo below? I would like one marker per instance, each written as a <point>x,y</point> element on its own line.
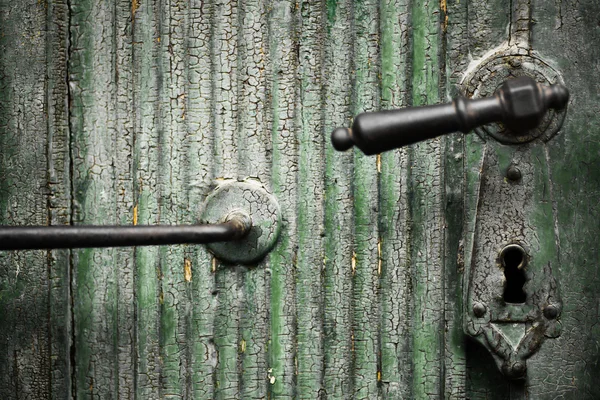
<point>60,237</point>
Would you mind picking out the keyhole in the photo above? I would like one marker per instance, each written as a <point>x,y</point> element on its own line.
<point>513,260</point>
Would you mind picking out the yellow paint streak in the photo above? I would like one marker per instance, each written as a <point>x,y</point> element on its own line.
<point>187,270</point>
<point>161,297</point>
<point>243,346</point>
<point>378,376</point>
<point>379,256</point>
<point>444,8</point>
<point>135,215</point>
<point>379,163</point>
<point>135,4</point>
<point>353,263</point>
<point>214,265</point>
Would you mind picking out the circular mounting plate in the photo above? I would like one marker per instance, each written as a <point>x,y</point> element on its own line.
<point>489,75</point>
<point>252,198</point>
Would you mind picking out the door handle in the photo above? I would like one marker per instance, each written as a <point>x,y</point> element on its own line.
<point>241,222</point>
<point>520,104</point>
<point>235,227</point>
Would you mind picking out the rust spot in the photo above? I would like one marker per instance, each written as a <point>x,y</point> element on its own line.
<point>135,215</point>
<point>187,270</point>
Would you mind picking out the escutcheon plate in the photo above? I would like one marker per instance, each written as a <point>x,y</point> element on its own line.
<point>249,197</point>
<point>483,79</point>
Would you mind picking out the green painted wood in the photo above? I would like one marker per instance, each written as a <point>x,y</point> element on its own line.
<point>367,247</point>
<point>284,59</point>
<point>101,138</point>
<point>337,282</point>
<point>395,285</point>
<point>456,33</point>
<point>34,189</point>
<point>59,199</point>
<point>132,111</point>
<point>426,208</point>
<point>254,159</point>
<point>311,260</point>
<point>564,34</point>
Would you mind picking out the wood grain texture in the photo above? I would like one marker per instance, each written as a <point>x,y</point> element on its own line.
<point>34,189</point>
<point>102,194</point>
<point>310,207</point>
<point>337,307</point>
<point>563,33</point>
<point>131,112</point>
<point>395,293</point>
<point>366,253</point>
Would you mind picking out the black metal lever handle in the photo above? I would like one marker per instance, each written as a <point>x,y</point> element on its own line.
<point>236,226</point>
<point>519,103</point>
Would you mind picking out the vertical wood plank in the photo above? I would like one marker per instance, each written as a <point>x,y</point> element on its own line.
<point>226,156</point>
<point>200,127</point>
<point>146,38</point>
<point>283,56</point>
<point>311,199</point>
<point>171,145</point>
<point>337,311</point>
<point>366,258</point>
<point>123,134</point>
<point>254,143</point>
<point>427,211</point>
<point>25,344</point>
<point>568,366</point>
<point>59,196</point>
<point>101,143</point>
<point>456,41</point>
<point>395,282</point>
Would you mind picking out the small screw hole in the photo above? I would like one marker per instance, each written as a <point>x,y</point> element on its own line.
<point>513,261</point>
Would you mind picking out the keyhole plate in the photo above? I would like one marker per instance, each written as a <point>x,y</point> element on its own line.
<point>512,300</point>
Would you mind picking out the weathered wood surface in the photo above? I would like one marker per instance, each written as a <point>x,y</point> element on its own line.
<point>129,112</point>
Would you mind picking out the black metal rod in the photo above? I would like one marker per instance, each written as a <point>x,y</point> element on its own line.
<point>61,237</point>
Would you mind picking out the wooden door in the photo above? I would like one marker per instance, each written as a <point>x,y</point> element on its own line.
<point>131,112</point>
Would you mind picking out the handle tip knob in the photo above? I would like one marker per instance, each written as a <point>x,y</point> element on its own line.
<point>557,96</point>
<point>341,138</point>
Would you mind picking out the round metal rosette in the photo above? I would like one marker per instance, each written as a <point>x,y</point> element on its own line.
<point>249,198</point>
<point>488,75</point>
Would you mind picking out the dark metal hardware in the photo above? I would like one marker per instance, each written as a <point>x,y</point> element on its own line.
<point>236,226</point>
<point>520,104</point>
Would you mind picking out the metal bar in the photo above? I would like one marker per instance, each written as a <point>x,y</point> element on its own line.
<point>61,237</point>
